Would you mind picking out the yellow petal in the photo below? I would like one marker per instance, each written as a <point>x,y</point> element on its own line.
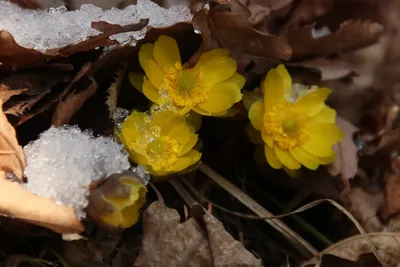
<point>216,66</point>
<point>313,102</point>
<point>151,92</point>
<point>274,89</point>
<point>271,157</point>
<point>154,73</point>
<point>292,173</point>
<point>254,135</point>
<point>286,158</point>
<point>185,161</point>
<point>250,97</point>
<point>237,79</point>
<point>306,159</point>
<point>287,80</point>
<point>129,130</point>
<point>207,113</point>
<point>194,119</point>
<point>189,145</point>
<point>330,133</point>
<point>221,97</point>
<point>327,115</point>
<point>180,133</point>
<point>136,80</point>
<point>167,120</point>
<point>166,52</point>
<point>137,157</point>
<point>318,147</point>
<point>267,139</point>
<point>145,54</point>
<point>256,114</point>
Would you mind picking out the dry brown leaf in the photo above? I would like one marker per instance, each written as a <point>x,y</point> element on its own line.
<point>392,195</point>
<point>365,206</point>
<point>29,4</point>
<point>11,153</point>
<point>68,107</point>
<point>201,242</point>
<point>19,203</point>
<point>327,69</point>
<point>20,108</point>
<point>387,244</point>
<point>351,35</point>
<point>227,25</point>
<point>6,93</point>
<point>346,161</point>
<point>113,90</point>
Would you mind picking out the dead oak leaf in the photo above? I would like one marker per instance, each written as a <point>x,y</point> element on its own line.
<point>201,242</point>
<point>6,93</point>
<point>346,160</point>
<point>73,102</point>
<point>352,34</point>
<point>387,245</point>
<point>11,153</point>
<point>22,107</point>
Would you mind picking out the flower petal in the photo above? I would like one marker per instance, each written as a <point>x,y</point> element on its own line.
<point>309,161</point>
<point>274,89</point>
<point>267,139</point>
<point>206,113</point>
<point>180,133</point>
<point>318,147</point>
<point>145,53</point>
<point>250,97</point>
<point>271,157</point>
<point>129,130</point>
<point>327,115</point>
<point>221,97</point>
<point>287,80</point>
<point>185,161</point>
<point>154,73</point>
<point>216,66</point>
<point>286,158</point>
<point>136,80</point>
<point>189,145</point>
<point>237,80</point>
<point>166,120</point>
<point>166,52</point>
<point>195,120</point>
<point>330,133</point>
<point>313,102</point>
<point>151,92</point>
<point>256,114</point>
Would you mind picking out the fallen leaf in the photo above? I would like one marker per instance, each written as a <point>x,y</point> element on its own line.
<point>73,102</point>
<point>307,41</point>
<point>326,69</point>
<point>12,156</point>
<point>346,160</point>
<point>17,202</point>
<point>392,196</point>
<point>365,207</point>
<point>113,90</point>
<point>28,4</point>
<point>6,93</point>
<point>20,108</point>
<point>227,26</point>
<point>354,247</point>
<point>200,241</point>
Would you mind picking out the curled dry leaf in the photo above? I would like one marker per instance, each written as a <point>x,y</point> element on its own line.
<point>113,90</point>
<point>11,153</point>
<point>352,34</point>
<point>227,26</point>
<point>73,102</point>
<point>352,248</point>
<point>6,93</point>
<point>346,161</point>
<point>365,206</point>
<point>200,241</point>
<point>392,196</point>
<point>22,107</point>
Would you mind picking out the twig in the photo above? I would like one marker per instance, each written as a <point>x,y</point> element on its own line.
<point>303,246</point>
<point>183,192</point>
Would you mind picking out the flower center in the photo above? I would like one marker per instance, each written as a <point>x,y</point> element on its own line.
<point>185,87</point>
<point>163,152</point>
<point>285,124</point>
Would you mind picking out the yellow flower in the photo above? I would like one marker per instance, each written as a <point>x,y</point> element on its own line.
<point>116,203</point>
<point>163,142</point>
<point>296,126</point>
<point>210,88</point>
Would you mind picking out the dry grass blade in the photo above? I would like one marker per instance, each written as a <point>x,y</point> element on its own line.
<point>185,195</point>
<point>251,204</point>
<point>303,246</point>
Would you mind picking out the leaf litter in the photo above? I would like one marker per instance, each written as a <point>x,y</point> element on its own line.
<point>60,66</point>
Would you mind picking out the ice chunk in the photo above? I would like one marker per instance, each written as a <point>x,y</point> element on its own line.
<point>64,161</point>
<point>58,27</point>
